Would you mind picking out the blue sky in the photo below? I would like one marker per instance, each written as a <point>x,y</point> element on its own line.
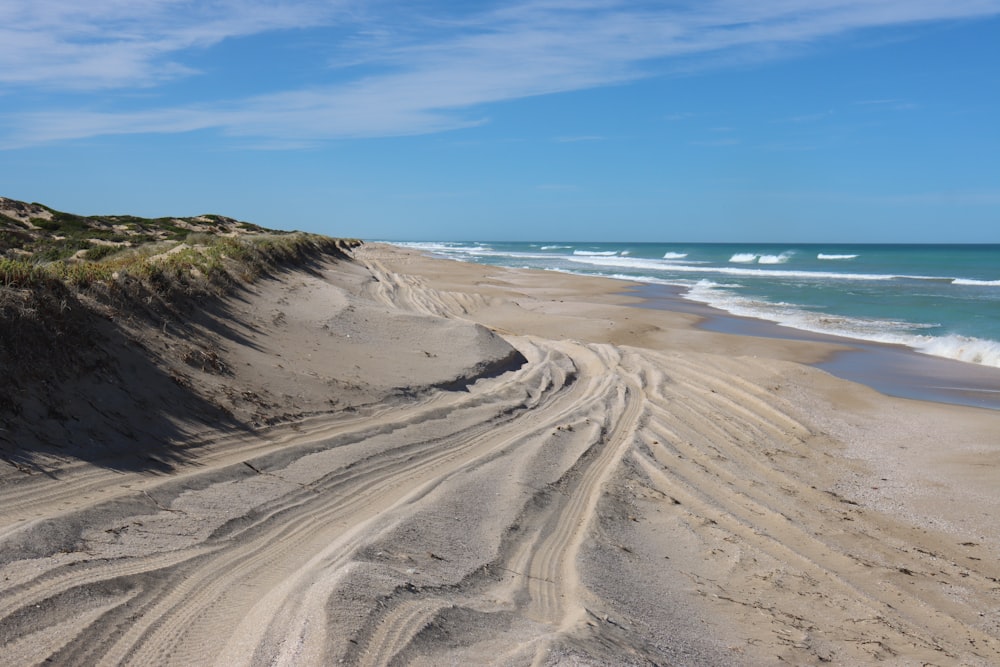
<point>719,120</point>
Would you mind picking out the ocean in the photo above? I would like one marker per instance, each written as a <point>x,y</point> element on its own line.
<point>940,300</point>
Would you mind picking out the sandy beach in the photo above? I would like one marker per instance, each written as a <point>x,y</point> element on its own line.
<point>395,459</point>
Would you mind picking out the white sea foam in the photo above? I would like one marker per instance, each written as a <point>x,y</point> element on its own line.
<point>556,247</point>
<point>466,252</point>
<point>798,317</point>
<point>672,262</point>
<point>638,263</point>
<point>751,257</point>
<point>432,245</point>
<point>775,259</point>
<point>963,348</point>
<point>960,348</point>
<point>717,295</point>
<point>635,263</point>
<point>979,283</point>
<point>825,256</point>
<point>460,251</point>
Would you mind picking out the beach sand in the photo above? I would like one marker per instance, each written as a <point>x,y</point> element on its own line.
<point>405,460</point>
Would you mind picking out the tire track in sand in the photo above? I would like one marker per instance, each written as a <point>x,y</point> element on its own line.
<point>396,625</point>
<point>305,526</point>
<point>719,449</point>
<point>542,561</point>
<point>191,589</point>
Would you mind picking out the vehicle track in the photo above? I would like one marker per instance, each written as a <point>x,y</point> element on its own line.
<point>540,565</point>
<point>752,501</point>
<point>225,575</point>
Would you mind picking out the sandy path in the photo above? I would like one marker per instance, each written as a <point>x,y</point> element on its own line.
<point>602,504</point>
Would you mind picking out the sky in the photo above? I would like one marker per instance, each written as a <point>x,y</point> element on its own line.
<point>577,120</point>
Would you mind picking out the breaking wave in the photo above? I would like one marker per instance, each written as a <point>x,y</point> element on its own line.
<point>961,348</point>
<point>775,259</point>
<point>981,283</point>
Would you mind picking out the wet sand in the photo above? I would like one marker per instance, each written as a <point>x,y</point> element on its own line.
<point>894,370</point>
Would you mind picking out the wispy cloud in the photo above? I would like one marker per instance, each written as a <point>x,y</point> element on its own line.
<point>400,68</point>
<point>107,44</point>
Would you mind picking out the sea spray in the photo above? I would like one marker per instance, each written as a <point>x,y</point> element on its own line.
<point>775,259</point>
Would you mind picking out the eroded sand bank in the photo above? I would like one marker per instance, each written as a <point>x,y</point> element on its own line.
<point>616,487</point>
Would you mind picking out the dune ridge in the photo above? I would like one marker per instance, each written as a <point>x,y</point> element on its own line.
<point>518,468</point>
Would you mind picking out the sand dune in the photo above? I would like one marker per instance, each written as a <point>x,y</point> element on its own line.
<point>521,469</point>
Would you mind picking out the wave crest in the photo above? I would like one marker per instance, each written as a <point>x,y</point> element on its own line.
<point>978,283</point>
<point>751,257</point>
<point>775,259</point>
<point>963,348</point>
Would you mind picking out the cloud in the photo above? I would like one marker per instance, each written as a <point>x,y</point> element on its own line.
<point>106,44</point>
<point>383,68</point>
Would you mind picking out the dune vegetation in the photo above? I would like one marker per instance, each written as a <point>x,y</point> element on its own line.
<point>41,247</point>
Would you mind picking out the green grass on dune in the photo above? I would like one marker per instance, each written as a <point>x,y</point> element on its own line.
<point>202,259</point>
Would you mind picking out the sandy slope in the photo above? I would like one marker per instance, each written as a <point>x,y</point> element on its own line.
<point>634,492</point>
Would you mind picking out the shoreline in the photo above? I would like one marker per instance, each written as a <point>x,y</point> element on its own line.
<point>894,370</point>
<point>433,462</point>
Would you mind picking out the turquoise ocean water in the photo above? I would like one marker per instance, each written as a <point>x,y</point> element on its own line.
<point>941,300</point>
